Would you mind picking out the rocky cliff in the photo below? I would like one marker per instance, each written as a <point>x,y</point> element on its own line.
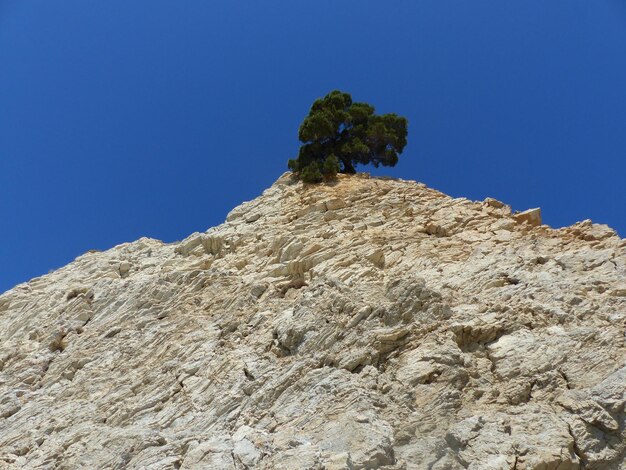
<point>371,323</point>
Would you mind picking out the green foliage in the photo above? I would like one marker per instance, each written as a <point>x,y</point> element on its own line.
<point>338,134</point>
<point>315,171</point>
<point>311,173</point>
<point>330,167</point>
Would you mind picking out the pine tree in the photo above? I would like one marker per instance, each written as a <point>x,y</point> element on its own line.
<point>338,134</point>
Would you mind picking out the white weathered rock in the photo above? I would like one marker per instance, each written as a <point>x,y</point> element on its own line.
<point>494,203</point>
<point>530,216</point>
<point>372,323</point>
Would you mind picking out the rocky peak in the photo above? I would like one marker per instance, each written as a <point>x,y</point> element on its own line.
<point>369,323</point>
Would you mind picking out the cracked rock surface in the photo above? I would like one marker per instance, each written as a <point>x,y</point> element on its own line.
<point>369,323</point>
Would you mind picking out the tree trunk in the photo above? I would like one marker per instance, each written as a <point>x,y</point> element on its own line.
<point>348,167</point>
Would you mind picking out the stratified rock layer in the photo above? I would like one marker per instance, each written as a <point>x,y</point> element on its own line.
<point>370,323</point>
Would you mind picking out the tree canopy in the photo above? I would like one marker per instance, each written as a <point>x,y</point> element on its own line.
<point>338,134</point>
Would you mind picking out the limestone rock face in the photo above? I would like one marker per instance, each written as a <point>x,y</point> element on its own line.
<point>531,216</point>
<point>369,323</point>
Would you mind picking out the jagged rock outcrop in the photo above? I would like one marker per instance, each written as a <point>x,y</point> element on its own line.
<point>371,323</point>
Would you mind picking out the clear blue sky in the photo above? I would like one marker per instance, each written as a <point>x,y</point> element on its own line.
<point>121,119</point>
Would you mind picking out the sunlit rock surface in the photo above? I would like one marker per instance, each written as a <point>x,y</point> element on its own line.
<point>371,323</point>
